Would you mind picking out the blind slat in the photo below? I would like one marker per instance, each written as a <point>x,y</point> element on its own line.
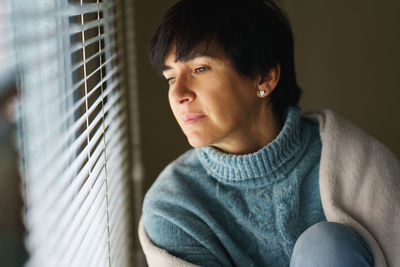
<point>82,157</point>
<point>59,194</point>
<point>78,232</point>
<point>64,139</point>
<point>68,10</point>
<point>59,122</point>
<point>35,38</point>
<point>75,142</point>
<point>87,252</point>
<point>30,60</point>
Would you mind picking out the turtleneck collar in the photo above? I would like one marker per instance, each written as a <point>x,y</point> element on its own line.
<point>260,165</point>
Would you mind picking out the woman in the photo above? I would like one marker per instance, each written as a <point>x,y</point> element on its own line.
<point>263,186</point>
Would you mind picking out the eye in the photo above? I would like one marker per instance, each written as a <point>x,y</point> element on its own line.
<point>201,69</point>
<point>171,80</point>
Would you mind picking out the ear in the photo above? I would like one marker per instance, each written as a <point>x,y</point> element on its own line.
<point>268,83</point>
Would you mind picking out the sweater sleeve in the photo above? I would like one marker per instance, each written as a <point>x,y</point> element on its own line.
<point>170,237</point>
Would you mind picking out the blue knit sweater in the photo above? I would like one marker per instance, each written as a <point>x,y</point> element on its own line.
<point>216,209</point>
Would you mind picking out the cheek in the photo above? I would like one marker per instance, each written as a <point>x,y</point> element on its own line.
<point>231,103</point>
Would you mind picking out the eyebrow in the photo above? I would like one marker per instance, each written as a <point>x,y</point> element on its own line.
<point>192,56</point>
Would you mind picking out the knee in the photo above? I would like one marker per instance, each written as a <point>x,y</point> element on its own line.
<point>330,244</point>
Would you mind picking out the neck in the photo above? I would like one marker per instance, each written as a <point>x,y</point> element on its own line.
<point>255,135</point>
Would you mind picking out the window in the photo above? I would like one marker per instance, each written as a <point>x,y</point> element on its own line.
<point>76,136</point>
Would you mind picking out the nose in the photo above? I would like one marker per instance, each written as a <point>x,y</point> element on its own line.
<point>181,91</point>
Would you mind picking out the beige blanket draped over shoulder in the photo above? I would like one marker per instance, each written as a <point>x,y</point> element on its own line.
<point>359,185</point>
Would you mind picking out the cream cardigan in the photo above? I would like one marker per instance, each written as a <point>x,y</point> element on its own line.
<point>359,185</point>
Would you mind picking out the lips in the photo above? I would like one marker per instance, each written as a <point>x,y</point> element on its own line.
<point>192,118</point>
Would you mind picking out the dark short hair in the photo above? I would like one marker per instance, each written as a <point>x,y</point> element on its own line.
<point>254,34</point>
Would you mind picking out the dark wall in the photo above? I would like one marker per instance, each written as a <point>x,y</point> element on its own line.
<point>347,58</point>
<point>162,140</point>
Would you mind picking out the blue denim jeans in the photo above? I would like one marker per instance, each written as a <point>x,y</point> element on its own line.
<point>330,244</point>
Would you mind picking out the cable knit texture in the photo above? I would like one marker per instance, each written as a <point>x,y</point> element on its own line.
<point>216,209</point>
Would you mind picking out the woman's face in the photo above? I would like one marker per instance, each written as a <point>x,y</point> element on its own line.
<point>212,103</point>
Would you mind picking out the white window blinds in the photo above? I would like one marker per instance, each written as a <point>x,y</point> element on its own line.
<point>73,131</point>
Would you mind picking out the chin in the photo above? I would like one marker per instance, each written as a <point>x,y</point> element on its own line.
<point>198,142</point>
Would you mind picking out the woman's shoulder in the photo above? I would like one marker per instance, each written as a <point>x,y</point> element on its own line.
<point>182,170</point>
<point>178,184</point>
<point>175,206</point>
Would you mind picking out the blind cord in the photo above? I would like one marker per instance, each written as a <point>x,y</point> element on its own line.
<point>85,85</point>
<point>104,135</point>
